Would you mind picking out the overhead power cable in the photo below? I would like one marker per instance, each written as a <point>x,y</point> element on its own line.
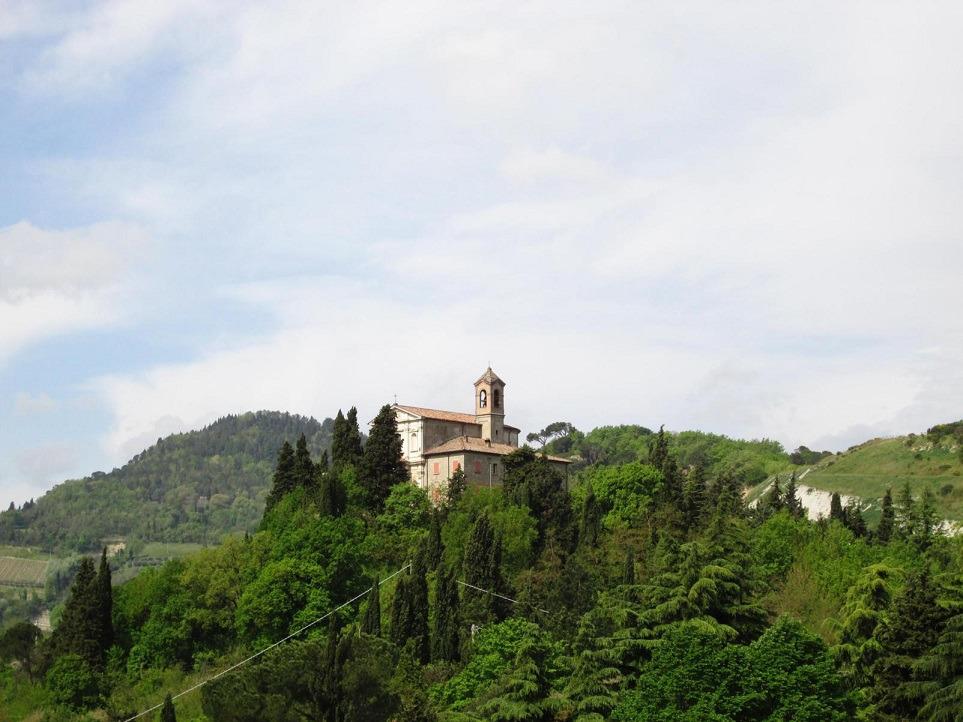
<point>268,648</point>
<point>500,596</point>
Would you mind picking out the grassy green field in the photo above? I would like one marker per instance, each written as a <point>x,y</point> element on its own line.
<point>7,550</point>
<point>868,470</point>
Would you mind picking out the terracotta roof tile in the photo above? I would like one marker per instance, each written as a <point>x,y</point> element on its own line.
<point>470,443</point>
<point>439,414</point>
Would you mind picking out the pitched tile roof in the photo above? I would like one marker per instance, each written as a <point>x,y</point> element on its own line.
<point>439,414</point>
<point>471,443</point>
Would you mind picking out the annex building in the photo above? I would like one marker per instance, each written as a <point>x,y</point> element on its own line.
<point>437,443</point>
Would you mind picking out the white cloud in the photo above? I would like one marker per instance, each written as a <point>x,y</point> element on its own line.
<point>52,282</point>
<point>737,218</point>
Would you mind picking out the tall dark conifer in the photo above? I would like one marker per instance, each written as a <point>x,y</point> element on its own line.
<point>105,604</point>
<point>80,629</point>
<point>912,629</point>
<point>906,515</point>
<point>334,497</point>
<point>793,504</point>
<point>836,507</point>
<point>284,479</point>
<point>372,616</point>
<point>887,520</point>
<point>693,496</point>
<point>418,592</point>
<point>355,447</point>
<point>434,547</point>
<point>660,451</point>
<point>853,518</point>
<point>445,640</point>
<point>591,522</point>
<point>480,571</point>
<point>400,625</point>
<point>330,682</point>
<point>167,711</point>
<point>382,465</point>
<point>628,568</point>
<point>303,469</point>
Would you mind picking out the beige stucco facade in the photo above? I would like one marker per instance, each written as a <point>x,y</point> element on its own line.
<point>437,443</point>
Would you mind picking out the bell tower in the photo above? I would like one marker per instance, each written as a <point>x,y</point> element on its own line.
<point>490,407</point>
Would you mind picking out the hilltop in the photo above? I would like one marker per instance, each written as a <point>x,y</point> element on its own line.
<point>188,487</point>
<point>932,460</point>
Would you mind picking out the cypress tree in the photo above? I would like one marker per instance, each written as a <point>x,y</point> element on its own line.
<point>339,442</point>
<point>906,513</point>
<point>660,452</point>
<point>435,548</point>
<point>334,497</point>
<point>401,621</point>
<point>303,469</point>
<point>167,711</point>
<point>793,504</point>
<point>330,680</point>
<point>283,476</point>
<point>80,630</point>
<point>836,507</point>
<point>927,520</point>
<point>323,464</point>
<point>105,604</point>
<point>693,496</point>
<point>457,485</point>
<point>444,641</point>
<point>591,519</point>
<point>418,593</point>
<point>884,532</point>
<point>672,482</point>
<point>480,556</point>
<point>353,437</point>
<point>853,518</point>
<point>777,502</point>
<point>382,465</point>
<point>372,616</point>
<point>628,571</point>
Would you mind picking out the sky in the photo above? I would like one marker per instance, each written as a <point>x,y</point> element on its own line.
<point>744,218</point>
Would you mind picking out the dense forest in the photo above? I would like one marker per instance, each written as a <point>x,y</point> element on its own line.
<point>191,487</point>
<point>640,588</point>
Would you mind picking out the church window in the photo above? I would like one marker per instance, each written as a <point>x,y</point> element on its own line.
<point>497,398</point>
<point>435,468</point>
<point>482,399</point>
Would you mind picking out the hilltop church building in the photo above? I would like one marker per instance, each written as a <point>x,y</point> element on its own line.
<point>436,443</point>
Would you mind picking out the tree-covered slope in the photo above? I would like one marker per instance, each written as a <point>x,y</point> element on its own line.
<point>189,487</point>
<point>932,461</point>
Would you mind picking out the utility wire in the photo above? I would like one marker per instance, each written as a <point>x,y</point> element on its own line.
<point>500,596</point>
<point>258,654</point>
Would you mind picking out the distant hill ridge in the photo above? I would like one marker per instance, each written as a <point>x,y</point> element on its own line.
<point>188,487</point>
